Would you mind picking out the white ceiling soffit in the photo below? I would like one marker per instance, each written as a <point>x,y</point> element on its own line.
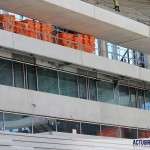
<point>84,18</point>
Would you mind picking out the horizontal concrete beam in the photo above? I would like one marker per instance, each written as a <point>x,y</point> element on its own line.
<point>85,18</point>
<point>45,104</point>
<point>47,50</point>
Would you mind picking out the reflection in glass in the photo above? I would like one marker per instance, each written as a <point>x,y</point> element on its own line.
<point>110,131</point>
<point>128,133</point>
<point>18,123</point>
<point>41,124</point>
<point>6,72</point>
<point>68,126</point>
<point>18,74</point>
<point>68,84</point>
<point>90,129</point>
<point>147,100</point>
<point>143,134</point>
<point>47,80</point>
<point>31,75</point>
<point>92,90</point>
<point>105,92</point>
<point>124,96</point>
<point>82,87</point>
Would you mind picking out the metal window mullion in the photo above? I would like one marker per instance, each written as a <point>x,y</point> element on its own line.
<point>78,86</point>
<point>32,123</point>
<point>96,91</point>
<point>144,100</point>
<point>3,121</point>
<point>26,77</point>
<point>88,88</point>
<point>36,75</point>
<point>100,130</point>
<point>58,82</point>
<point>56,125</point>
<point>80,127</point>
<point>13,74</point>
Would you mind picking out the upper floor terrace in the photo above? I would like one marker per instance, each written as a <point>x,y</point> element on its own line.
<point>73,15</point>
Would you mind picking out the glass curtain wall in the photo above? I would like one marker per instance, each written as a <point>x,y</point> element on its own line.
<point>124,99</point>
<point>68,84</point>
<point>147,100</point>
<point>23,75</point>
<point>105,92</point>
<point>42,124</point>
<point>6,77</point>
<point>18,75</point>
<point>18,123</point>
<point>92,89</point>
<point>47,80</point>
<point>82,81</point>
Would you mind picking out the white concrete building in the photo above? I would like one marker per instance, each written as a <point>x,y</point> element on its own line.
<point>72,96</point>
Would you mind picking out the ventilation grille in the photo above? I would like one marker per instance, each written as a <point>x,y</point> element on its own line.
<point>23,58</point>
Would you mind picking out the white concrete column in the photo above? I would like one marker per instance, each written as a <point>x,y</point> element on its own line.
<point>114,52</point>
<point>102,47</point>
<point>147,60</point>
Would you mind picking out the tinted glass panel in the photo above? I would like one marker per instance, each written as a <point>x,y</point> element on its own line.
<point>68,126</point>
<point>128,133</point>
<point>133,97</point>
<point>1,121</point>
<point>90,129</point>
<point>47,80</point>
<point>43,124</point>
<point>116,94</point>
<point>92,90</point>
<point>147,99</point>
<point>18,123</point>
<point>82,87</point>
<point>143,134</point>
<point>110,131</point>
<point>6,72</point>
<point>140,99</point>
<point>18,74</point>
<point>68,84</point>
<point>32,83</point>
<point>124,96</point>
<point>105,92</point>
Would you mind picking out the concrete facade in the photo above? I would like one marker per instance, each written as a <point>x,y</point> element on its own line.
<point>45,104</point>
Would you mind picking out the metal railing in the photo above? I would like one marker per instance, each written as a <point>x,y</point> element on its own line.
<point>110,51</point>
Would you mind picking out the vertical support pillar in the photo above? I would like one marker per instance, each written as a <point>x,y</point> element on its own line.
<point>114,52</point>
<point>102,46</point>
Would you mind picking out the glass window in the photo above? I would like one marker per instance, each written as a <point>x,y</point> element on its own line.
<point>90,129</point>
<point>143,134</point>
<point>92,90</point>
<point>133,97</point>
<point>140,99</point>
<point>68,126</point>
<point>68,84</point>
<point>1,121</point>
<point>47,80</point>
<point>41,124</point>
<point>6,72</point>
<point>31,75</point>
<point>147,99</point>
<point>82,87</point>
<point>116,93</point>
<point>18,123</point>
<point>110,131</point>
<point>105,92</point>
<point>128,133</point>
<point>18,74</point>
<point>124,96</point>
